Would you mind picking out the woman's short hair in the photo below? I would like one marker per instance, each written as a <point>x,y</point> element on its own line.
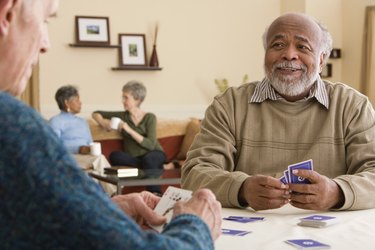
<point>136,89</point>
<point>65,93</point>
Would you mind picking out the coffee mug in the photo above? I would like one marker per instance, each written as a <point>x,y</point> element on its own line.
<point>115,121</point>
<point>95,148</point>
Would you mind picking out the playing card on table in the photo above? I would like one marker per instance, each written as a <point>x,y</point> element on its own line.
<point>234,232</point>
<point>307,244</point>
<point>318,221</point>
<point>242,219</point>
<point>167,202</point>
<point>308,165</point>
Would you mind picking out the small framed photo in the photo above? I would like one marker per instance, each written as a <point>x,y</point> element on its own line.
<point>326,71</point>
<point>133,49</point>
<point>335,53</point>
<point>91,30</point>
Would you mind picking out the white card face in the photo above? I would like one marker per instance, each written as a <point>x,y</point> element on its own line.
<point>167,202</point>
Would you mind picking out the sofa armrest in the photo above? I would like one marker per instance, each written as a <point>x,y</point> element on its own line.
<point>98,133</point>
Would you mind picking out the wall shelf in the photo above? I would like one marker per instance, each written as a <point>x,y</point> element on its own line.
<point>136,68</point>
<point>93,45</point>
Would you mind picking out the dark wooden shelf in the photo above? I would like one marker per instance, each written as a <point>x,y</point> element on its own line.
<point>93,45</point>
<point>136,68</point>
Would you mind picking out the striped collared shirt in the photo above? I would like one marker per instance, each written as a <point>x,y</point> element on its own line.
<point>264,91</point>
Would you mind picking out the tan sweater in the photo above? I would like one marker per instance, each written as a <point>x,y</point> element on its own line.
<point>239,139</point>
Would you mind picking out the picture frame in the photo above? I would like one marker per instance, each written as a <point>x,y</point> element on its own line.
<point>326,71</point>
<point>132,50</point>
<point>335,53</point>
<point>92,30</point>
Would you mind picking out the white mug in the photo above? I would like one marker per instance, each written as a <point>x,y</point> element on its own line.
<point>95,148</point>
<point>115,121</point>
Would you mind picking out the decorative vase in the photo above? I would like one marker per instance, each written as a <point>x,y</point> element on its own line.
<point>154,62</point>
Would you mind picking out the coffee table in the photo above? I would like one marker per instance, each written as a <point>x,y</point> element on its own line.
<point>138,180</point>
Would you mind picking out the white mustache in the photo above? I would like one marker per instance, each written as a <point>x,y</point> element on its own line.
<point>289,66</point>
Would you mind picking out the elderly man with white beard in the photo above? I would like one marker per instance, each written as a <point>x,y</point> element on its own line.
<point>251,133</point>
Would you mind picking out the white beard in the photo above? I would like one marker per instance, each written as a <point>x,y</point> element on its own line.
<point>290,85</point>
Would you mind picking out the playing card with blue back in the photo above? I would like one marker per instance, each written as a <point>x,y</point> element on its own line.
<point>243,219</point>
<point>318,221</point>
<point>318,218</point>
<point>234,232</point>
<point>285,178</point>
<point>308,165</point>
<point>307,244</point>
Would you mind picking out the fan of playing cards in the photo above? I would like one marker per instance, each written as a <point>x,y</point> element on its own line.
<point>289,177</point>
<point>167,202</point>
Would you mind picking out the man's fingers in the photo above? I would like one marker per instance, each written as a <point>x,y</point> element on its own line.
<point>311,175</point>
<point>269,181</point>
<point>149,215</point>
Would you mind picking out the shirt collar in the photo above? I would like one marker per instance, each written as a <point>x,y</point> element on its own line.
<point>264,91</point>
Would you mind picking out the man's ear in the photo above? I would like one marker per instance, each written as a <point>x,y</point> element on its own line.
<point>321,61</point>
<point>6,15</point>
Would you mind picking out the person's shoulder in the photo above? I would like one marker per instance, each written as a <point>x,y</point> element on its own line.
<point>14,107</point>
<point>342,90</point>
<point>149,115</point>
<point>19,116</point>
<point>55,118</point>
<point>9,102</point>
<point>243,91</point>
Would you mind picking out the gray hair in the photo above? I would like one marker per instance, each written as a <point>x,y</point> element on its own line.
<point>326,39</point>
<point>65,93</point>
<point>136,89</point>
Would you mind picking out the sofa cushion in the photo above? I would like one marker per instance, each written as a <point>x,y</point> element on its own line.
<point>191,131</point>
<point>171,146</point>
<point>110,145</point>
<point>170,133</point>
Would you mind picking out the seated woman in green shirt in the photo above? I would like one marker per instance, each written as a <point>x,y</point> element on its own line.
<point>138,128</point>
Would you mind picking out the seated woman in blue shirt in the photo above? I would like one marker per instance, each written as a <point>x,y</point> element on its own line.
<point>71,129</point>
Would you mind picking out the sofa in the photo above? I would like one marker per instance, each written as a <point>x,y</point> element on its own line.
<point>174,135</point>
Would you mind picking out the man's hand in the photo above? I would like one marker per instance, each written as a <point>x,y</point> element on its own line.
<point>140,207</point>
<point>204,205</point>
<point>264,192</point>
<point>322,194</point>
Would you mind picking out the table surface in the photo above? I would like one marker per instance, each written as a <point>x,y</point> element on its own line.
<point>355,229</point>
<point>135,181</point>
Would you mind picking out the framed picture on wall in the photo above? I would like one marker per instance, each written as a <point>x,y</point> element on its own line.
<point>91,30</point>
<point>133,49</point>
<point>326,71</point>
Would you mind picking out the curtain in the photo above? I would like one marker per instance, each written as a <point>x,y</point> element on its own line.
<point>368,63</point>
<point>31,94</point>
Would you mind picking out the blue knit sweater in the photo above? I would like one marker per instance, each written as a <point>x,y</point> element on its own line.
<point>47,202</point>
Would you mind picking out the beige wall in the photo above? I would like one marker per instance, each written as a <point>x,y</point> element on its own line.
<point>199,40</point>
<point>353,17</point>
<point>331,16</point>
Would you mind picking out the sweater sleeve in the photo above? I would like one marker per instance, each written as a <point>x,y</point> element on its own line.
<point>43,190</point>
<point>358,185</point>
<point>210,161</point>
<point>109,114</point>
<point>150,139</point>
